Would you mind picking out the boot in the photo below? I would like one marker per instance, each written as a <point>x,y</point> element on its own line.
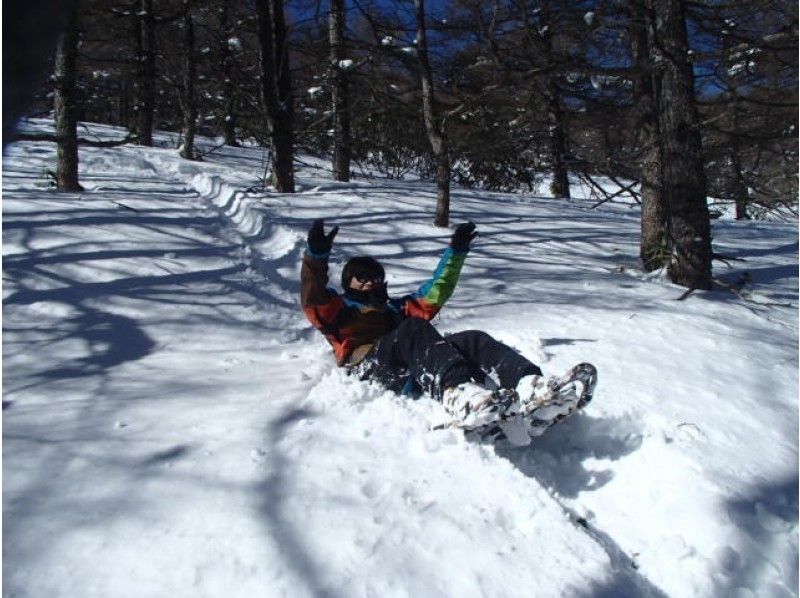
<point>473,406</point>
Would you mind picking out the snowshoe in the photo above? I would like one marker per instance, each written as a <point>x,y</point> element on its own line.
<point>472,406</point>
<point>563,397</point>
<point>545,402</point>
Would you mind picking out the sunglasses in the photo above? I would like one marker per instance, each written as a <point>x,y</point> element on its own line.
<point>364,277</point>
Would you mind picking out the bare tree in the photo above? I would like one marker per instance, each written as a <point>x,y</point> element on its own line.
<point>337,75</point>
<point>188,99</point>
<point>226,59</point>
<point>433,126</point>
<point>146,72</point>
<point>66,121</point>
<point>511,91</point>
<point>276,91</point>
<point>740,189</point>
<point>559,186</point>
<point>653,247</point>
<point>683,177</point>
<point>750,127</point>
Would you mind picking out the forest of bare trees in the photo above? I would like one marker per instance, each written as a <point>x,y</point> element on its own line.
<point>674,100</point>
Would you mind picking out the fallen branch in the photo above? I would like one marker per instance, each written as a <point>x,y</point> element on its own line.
<point>626,188</point>
<point>727,258</point>
<point>122,205</point>
<point>609,196</point>
<point>737,288</point>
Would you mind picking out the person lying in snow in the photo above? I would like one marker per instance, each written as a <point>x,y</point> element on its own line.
<point>482,383</point>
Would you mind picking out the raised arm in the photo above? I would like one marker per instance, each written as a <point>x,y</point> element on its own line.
<point>431,296</point>
<point>320,304</point>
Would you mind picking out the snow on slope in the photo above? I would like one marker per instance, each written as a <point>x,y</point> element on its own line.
<point>172,425</point>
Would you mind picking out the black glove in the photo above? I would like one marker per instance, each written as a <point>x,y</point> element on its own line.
<point>380,295</point>
<point>463,236</point>
<point>318,242</point>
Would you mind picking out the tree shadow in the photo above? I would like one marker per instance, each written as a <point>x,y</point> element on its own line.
<point>131,286</point>
<point>620,585</point>
<point>556,460</point>
<point>75,284</point>
<point>111,340</point>
<point>273,493</point>
<point>766,519</point>
<point>771,274</point>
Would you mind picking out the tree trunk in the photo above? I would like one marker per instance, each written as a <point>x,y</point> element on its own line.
<point>559,186</point>
<point>741,192</point>
<point>66,122</point>
<point>436,134</point>
<point>123,104</point>
<point>146,73</point>
<point>276,91</point>
<point>684,181</point>
<point>188,101</point>
<point>226,58</point>
<point>283,137</point>
<point>442,191</point>
<point>653,247</point>
<point>557,137</point>
<point>339,93</point>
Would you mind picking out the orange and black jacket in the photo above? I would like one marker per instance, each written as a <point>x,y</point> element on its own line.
<point>353,328</point>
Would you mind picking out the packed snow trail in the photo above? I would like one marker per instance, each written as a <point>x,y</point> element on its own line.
<point>172,425</point>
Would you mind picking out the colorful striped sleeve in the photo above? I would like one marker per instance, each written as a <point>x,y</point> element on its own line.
<point>431,296</point>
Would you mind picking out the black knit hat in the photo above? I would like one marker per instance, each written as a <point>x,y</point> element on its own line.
<point>365,265</point>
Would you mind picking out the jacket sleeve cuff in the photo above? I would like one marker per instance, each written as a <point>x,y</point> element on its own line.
<point>317,256</point>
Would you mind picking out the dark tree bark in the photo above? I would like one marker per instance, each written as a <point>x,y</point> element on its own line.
<point>741,193</point>
<point>684,181</point>
<point>226,58</point>
<point>559,186</point>
<point>434,129</point>
<point>123,103</point>
<point>188,99</point>
<point>276,91</point>
<point>66,121</point>
<point>339,93</point>
<point>653,247</point>
<point>539,25</point>
<point>146,73</point>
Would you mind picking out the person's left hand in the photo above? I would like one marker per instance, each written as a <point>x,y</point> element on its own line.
<point>379,295</point>
<point>463,236</point>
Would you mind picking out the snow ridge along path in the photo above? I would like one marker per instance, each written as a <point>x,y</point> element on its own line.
<point>172,425</point>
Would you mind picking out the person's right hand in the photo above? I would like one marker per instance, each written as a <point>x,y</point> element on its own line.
<point>464,235</point>
<point>318,241</point>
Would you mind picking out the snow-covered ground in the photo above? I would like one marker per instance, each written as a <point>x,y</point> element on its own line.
<point>172,426</point>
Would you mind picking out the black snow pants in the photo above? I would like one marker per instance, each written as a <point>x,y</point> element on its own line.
<point>415,357</point>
